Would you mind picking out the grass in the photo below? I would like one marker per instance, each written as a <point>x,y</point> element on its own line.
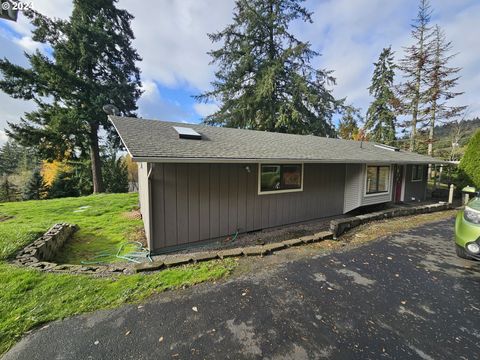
<point>29,298</point>
<point>100,218</point>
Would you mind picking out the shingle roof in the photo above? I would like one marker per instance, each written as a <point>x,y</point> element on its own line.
<point>157,141</point>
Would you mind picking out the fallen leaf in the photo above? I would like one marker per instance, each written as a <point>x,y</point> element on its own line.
<point>195,309</point>
<point>161,339</point>
<point>389,257</point>
<point>140,306</point>
<point>243,294</point>
<point>403,302</point>
<point>127,333</point>
<point>96,342</point>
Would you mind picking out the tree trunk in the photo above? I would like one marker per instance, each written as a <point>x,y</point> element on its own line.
<point>95,159</point>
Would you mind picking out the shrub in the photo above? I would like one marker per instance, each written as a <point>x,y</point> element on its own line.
<point>469,167</point>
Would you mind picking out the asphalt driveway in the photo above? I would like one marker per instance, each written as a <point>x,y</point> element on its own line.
<point>405,296</point>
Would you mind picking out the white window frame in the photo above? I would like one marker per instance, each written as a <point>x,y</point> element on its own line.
<point>389,183</point>
<point>421,173</point>
<point>260,192</point>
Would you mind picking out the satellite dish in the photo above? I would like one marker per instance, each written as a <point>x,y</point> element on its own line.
<point>111,109</point>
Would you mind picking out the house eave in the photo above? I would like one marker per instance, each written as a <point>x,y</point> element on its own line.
<point>278,160</point>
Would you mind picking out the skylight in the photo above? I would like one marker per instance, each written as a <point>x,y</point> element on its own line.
<point>387,147</point>
<point>187,133</point>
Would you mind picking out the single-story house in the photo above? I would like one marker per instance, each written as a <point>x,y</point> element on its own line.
<point>199,182</point>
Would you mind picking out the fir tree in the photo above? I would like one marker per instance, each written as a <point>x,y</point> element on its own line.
<point>348,125</point>
<point>92,63</point>
<point>35,189</point>
<point>381,118</point>
<point>115,173</point>
<point>265,79</point>
<point>441,81</point>
<point>415,70</point>
<point>8,190</point>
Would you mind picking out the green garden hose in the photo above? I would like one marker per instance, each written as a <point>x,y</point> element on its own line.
<point>138,252</point>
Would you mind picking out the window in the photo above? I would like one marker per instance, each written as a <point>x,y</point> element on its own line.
<point>378,179</point>
<point>280,177</point>
<point>417,172</point>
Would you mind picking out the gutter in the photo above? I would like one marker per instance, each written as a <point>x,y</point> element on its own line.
<point>284,161</point>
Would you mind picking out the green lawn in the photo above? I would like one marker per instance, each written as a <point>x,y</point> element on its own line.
<point>29,298</point>
<point>100,218</point>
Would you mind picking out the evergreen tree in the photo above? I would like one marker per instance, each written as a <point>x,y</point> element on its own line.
<point>265,79</point>
<point>35,188</point>
<point>381,118</point>
<point>8,190</point>
<point>92,63</point>
<point>348,125</point>
<point>415,70</point>
<point>65,185</point>
<point>10,156</point>
<point>441,81</point>
<point>115,173</point>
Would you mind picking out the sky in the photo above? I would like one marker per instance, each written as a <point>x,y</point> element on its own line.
<point>171,37</point>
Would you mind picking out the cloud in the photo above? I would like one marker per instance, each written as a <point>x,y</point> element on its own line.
<point>171,37</point>
<point>150,90</point>
<point>3,137</point>
<point>205,109</point>
<point>27,43</point>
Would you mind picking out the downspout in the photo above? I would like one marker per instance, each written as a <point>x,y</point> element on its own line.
<point>150,208</point>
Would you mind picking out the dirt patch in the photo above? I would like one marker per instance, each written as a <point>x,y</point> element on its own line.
<point>132,215</point>
<point>138,235</point>
<point>261,237</point>
<point>5,217</point>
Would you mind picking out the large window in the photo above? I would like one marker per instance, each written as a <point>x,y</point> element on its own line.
<point>417,172</point>
<point>378,179</point>
<point>280,177</point>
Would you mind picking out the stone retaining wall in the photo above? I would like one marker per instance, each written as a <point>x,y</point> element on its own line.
<point>340,226</point>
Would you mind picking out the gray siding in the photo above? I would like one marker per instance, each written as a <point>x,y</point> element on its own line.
<point>144,196</point>
<point>415,190</point>
<point>353,187</point>
<point>355,196</point>
<point>194,202</point>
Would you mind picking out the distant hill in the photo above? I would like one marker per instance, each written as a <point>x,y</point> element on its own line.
<point>446,134</point>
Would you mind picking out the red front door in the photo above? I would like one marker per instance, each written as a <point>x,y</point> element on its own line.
<point>398,183</point>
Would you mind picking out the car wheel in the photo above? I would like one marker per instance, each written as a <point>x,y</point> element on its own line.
<point>461,252</point>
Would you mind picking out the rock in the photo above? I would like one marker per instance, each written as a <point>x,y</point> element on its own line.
<point>204,256</point>
<point>176,260</point>
<point>292,242</point>
<point>323,235</point>
<point>254,250</point>
<point>148,266</point>
<point>309,239</point>
<point>229,253</point>
<point>274,246</point>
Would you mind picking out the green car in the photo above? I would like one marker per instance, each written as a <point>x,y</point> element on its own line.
<point>467,230</point>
